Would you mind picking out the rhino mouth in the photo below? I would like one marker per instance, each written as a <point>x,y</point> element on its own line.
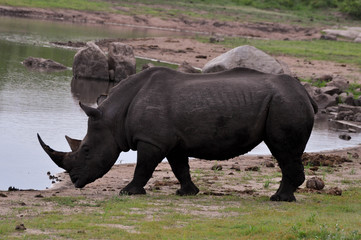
<point>76,180</point>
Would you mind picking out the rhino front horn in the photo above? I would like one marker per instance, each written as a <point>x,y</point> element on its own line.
<point>57,157</point>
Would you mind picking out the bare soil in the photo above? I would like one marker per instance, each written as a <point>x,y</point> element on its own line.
<point>233,178</point>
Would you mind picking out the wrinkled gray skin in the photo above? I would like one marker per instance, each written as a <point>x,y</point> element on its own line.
<point>163,113</point>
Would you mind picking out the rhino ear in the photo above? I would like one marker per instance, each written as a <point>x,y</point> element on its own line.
<point>91,112</point>
<point>101,98</point>
<point>73,143</point>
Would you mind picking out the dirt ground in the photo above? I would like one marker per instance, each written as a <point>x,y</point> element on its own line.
<point>235,177</point>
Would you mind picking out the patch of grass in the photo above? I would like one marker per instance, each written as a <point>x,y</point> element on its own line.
<point>335,51</point>
<point>315,83</point>
<point>354,89</point>
<point>65,201</point>
<point>315,216</point>
<point>66,4</point>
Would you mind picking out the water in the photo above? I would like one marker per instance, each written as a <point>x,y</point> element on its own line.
<point>47,103</point>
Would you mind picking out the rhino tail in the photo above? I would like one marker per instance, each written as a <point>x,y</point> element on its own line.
<point>314,104</point>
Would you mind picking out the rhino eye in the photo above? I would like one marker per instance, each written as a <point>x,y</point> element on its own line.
<point>86,149</point>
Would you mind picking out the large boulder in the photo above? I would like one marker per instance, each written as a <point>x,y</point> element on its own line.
<point>42,64</point>
<point>353,33</point>
<point>244,56</point>
<point>121,60</point>
<point>91,62</point>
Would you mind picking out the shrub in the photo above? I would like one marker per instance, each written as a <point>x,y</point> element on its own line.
<point>351,7</point>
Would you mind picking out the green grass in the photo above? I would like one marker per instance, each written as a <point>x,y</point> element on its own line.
<point>66,4</point>
<point>314,216</point>
<point>335,51</point>
<point>225,10</point>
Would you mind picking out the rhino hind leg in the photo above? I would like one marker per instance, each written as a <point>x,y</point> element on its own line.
<point>180,168</point>
<point>292,177</point>
<point>148,158</point>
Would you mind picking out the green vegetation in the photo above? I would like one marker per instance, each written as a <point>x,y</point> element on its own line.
<point>67,4</point>
<point>335,51</point>
<point>301,12</point>
<point>315,216</point>
<point>354,89</point>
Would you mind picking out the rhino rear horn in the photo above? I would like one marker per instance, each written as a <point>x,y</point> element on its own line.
<point>73,143</point>
<point>101,98</point>
<point>91,112</point>
<point>57,157</point>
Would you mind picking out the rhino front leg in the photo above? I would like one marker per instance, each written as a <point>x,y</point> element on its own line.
<point>148,158</point>
<point>180,168</point>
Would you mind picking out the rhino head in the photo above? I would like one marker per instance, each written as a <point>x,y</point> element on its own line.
<point>91,157</point>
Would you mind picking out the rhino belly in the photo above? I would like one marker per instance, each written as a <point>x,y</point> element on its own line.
<point>222,142</point>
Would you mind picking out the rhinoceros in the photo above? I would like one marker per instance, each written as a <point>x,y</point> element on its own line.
<point>162,113</point>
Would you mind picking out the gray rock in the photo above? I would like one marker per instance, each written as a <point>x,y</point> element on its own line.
<point>357,117</point>
<point>324,100</point>
<point>345,137</point>
<point>338,82</point>
<point>325,78</point>
<point>347,32</point>
<point>244,56</point>
<point>349,101</point>
<point>328,37</point>
<point>331,90</point>
<point>91,62</point>
<point>345,115</point>
<point>121,60</point>
<point>187,68</point>
<point>357,40</point>
<point>344,107</point>
<point>42,64</point>
<point>147,65</point>
<point>341,98</point>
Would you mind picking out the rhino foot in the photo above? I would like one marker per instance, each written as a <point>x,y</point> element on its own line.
<point>283,197</point>
<point>190,189</point>
<point>132,190</point>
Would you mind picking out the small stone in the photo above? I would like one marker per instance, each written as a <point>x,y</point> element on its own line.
<point>253,168</point>
<point>147,65</point>
<point>336,191</point>
<point>3,195</point>
<point>315,183</point>
<point>236,167</point>
<point>39,196</point>
<point>201,56</point>
<point>351,130</point>
<point>345,137</point>
<point>270,164</point>
<point>20,227</point>
<point>314,168</point>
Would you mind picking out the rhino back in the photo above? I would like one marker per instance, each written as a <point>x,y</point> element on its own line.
<point>203,114</point>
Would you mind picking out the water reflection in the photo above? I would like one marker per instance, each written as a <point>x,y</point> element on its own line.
<point>88,90</point>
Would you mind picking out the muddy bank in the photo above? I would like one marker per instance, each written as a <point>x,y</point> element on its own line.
<point>264,30</point>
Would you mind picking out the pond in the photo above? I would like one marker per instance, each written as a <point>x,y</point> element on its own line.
<point>47,103</point>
